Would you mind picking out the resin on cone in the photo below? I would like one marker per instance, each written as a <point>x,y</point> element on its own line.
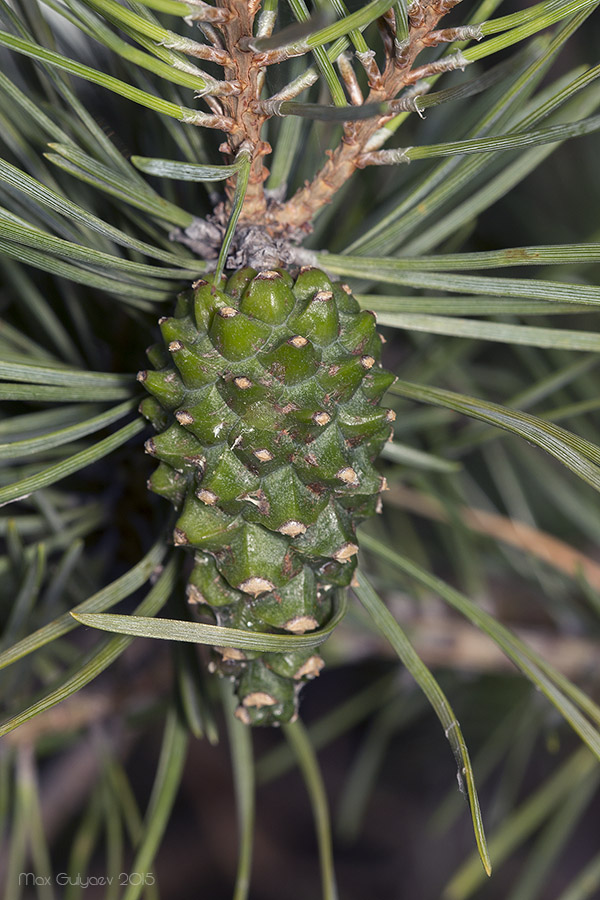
<point>265,399</point>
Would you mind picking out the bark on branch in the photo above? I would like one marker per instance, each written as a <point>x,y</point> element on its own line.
<point>233,30</point>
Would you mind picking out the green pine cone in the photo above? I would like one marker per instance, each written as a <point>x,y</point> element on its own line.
<point>266,403</point>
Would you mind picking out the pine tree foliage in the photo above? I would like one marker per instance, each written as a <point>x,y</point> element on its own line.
<point>265,179</point>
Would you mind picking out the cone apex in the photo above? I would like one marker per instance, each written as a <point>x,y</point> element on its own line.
<point>242,714</point>
<point>269,275</point>
<point>259,699</point>
<point>347,475</point>
<point>298,341</point>
<point>208,497</point>
<point>310,669</point>
<point>301,624</point>
<point>345,552</point>
<point>180,538</point>
<point>256,585</point>
<point>263,454</point>
<point>292,528</point>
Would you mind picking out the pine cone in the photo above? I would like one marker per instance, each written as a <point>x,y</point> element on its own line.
<point>266,403</point>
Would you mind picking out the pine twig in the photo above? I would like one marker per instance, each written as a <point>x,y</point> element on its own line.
<point>342,162</point>
<point>544,546</point>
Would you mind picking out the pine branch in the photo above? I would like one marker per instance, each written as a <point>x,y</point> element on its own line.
<point>398,73</point>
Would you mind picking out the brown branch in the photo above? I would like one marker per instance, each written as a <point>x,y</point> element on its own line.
<point>393,157</point>
<point>203,51</point>
<point>387,30</point>
<point>204,12</point>
<point>245,70</point>
<point>446,64</point>
<point>220,89</point>
<point>278,55</point>
<point>367,61</point>
<point>212,35</point>
<point>341,164</point>
<point>218,122</point>
<point>442,640</point>
<point>350,80</point>
<point>244,112</point>
<point>551,550</point>
<point>449,35</point>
